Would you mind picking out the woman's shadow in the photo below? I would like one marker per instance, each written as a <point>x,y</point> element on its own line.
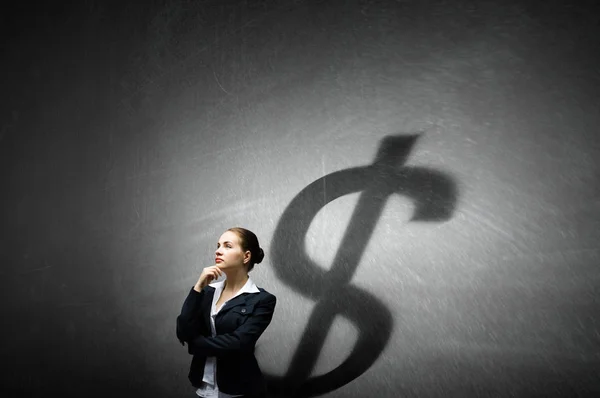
<point>434,195</point>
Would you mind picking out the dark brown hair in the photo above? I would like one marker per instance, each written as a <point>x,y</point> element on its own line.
<point>249,241</point>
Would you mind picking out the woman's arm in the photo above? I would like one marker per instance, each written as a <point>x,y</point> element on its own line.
<point>188,322</point>
<point>242,339</point>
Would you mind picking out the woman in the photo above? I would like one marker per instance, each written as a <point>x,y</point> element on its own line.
<point>221,321</point>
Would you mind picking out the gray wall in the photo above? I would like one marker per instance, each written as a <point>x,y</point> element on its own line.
<point>423,177</point>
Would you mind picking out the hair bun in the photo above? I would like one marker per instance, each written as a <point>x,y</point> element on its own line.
<point>260,255</point>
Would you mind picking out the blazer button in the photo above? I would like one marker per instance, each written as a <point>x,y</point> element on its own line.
<point>243,310</point>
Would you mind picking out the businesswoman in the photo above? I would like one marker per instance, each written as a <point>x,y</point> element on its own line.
<point>221,321</point>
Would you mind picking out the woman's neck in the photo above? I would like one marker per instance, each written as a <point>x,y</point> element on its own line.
<point>235,281</point>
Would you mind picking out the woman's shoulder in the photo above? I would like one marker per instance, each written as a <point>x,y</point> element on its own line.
<point>265,294</point>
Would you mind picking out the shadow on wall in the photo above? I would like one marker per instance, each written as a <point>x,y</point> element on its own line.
<point>434,195</point>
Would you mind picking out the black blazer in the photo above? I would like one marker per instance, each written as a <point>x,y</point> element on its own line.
<point>238,324</point>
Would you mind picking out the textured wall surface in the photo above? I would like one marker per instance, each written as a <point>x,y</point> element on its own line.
<point>423,177</point>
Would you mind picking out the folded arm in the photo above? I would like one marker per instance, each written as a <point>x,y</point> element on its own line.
<point>242,339</point>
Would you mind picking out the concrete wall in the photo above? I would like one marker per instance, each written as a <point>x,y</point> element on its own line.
<point>423,177</point>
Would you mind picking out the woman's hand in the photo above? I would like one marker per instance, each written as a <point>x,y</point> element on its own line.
<point>208,275</point>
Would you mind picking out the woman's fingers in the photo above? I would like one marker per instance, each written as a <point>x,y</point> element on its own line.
<point>211,273</point>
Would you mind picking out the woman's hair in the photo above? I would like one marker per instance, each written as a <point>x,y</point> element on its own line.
<point>249,241</point>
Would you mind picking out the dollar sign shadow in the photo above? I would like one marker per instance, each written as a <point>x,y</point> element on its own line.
<point>434,196</point>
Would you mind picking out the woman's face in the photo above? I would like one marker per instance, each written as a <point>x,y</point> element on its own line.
<point>229,253</point>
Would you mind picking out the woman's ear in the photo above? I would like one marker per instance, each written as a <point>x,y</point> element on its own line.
<point>247,256</point>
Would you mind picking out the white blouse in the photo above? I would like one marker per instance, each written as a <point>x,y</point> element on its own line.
<point>209,388</point>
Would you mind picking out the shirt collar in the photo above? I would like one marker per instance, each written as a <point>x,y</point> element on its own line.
<point>249,287</point>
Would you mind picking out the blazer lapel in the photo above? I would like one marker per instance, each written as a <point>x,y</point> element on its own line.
<point>239,300</point>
